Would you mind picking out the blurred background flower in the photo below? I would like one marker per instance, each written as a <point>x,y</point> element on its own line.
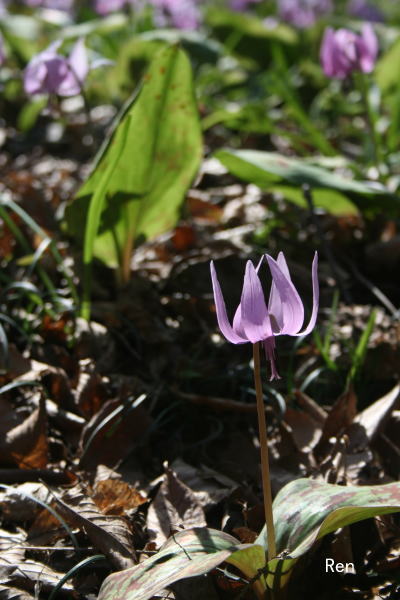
<point>303,13</point>
<point>365,10</point>
<point>343,51</point>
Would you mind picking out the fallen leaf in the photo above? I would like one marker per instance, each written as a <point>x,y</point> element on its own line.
<point>110,535</point>
<point>112,434</point>
<point>340,417</point>
<point>116,497</point>
<point>11,593</point>
<point>375,416</point>
<point>23,443</point>
<point>174,507</point>
<point>306,431</point>
<point>17,506</point>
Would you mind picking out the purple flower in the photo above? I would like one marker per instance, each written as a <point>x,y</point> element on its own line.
<point>65,5</point>
<point>241,5</point>
<point>303,13</point>
<point>366,11</point>
<point>51,73</point>
<point>182,14</point>
<point>343,51</point>
<point>104,7</point>
<point>254,321</point>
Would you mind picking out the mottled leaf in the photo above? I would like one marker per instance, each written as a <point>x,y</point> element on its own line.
<point>186,554</point>
<point>306,510</point>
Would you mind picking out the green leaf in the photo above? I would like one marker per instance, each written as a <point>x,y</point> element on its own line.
<point>332,201</point>
<point>186,554</point>
<point>306,510</point>
<point>141,176</point>
<point>266,169</point>
<point>386,74</point>
<point>250,28</point>
<point>30,112</point>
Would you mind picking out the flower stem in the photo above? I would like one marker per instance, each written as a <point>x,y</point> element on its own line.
<point>371,119</point>
<point>262,427</point>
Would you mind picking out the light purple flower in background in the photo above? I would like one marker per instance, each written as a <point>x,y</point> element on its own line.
<point>254,321</point>
<point>104,7</point>
<point>182,14</point>
<point>366,11</point>
<point>51,73</point>
<point>343,51</point>
<point>241,5</point>
<point>303,13</point>
<point>65,5</point>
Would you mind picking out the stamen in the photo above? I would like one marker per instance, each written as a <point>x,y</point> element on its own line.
<point>269,347</point>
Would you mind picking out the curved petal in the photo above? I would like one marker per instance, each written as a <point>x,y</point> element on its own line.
<point>274,303</point>
<point>78,61</point>
<point>292,309</point>
<point>237,319</point>
<point>222,317</point>
<point>315,285</point>
<point>255,319</point>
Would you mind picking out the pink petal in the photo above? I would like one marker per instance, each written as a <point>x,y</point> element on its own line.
<point>237,319</point>
<point>315,285</point>
<point>222,317</point>
<point>291,310</point>
<point>327,52</point>
<point>274,303</point>
<point>79,61</point>
<point>255,320</point>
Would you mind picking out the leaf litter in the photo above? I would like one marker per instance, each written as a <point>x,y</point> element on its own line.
<point>187,455</point>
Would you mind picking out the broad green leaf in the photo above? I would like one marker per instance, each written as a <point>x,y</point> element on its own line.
<point>200,47</point>
<point>249,26</point>
<point>386,74</point>
<point>141,176</point>
<point>306,510</point>
<point>186,554</point>
<point>332,201</point>
<point>266,169</point>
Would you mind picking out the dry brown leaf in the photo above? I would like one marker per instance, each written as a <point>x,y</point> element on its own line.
<point>174,507</point>
<point>306,430</point>
<point>16,570</point>
<point>375,416</point>
<point>17,506</point>
<point>46,529</point>
<point>209,486</point>
<point>29,574</point>
<point>90,392</point>
<point>55,378</point>
<point>110,535</point>
<point>11,593</point>
<point>12,547</point>
<point>107,441</point>
<point>25,443</point>
<point>116,497</point>
<point>340,417</point>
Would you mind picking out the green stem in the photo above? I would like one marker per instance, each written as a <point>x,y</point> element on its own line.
<point>266,482</point>
<point>371,121</point>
